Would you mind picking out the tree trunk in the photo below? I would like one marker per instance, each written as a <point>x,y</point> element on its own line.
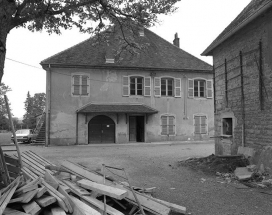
<point>7,10</point>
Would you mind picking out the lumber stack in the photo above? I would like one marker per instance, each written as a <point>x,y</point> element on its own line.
<point>73,189</point>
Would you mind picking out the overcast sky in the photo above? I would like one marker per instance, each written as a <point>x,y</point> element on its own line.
<point>197,22</point>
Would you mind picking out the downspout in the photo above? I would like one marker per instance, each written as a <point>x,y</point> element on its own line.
<point>48,106</point>
<point>76,128</point>
<point>185,97</point>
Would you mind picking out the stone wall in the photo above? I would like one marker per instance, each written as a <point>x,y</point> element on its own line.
<point>258,121</point>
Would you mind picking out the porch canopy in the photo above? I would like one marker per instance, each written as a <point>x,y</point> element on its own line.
<point>134,108</point>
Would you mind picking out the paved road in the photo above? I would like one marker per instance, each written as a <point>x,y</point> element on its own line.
<point>155,165</point>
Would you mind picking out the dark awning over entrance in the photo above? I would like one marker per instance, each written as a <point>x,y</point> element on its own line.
<point>117,108</point>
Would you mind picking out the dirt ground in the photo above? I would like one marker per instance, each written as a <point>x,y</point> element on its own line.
<point>156,165</point>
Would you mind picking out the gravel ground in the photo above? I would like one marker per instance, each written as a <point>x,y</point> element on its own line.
<point>155,165</point>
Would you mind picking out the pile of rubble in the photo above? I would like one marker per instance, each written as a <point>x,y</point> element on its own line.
<point>235,169</point>
<point>43,188</point>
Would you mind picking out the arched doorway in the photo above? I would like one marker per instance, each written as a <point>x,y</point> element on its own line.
<point>101,129</point>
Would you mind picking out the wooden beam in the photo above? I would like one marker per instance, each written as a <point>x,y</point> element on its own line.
<point>51,179</point>
<point>31,208</point>
<point>10,211</point>
<point>46,200</point>
<point>145,201</point>
<point>103,189</point>
<point>98,204</point>
<point>76,189</point>
<point>84,207</point>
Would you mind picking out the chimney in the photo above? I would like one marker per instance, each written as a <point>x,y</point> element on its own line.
<point>176,40</point>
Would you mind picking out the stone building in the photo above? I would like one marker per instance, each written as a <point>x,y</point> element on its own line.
<point>96,95</point>
<point>242,56</point>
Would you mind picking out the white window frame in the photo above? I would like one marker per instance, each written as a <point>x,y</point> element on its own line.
<point>145,88</point>
<point>136,89</point>
<point>207,125</point>
<point>177,82</point>
<point>173,86</point>
<point>205,88</point>
<point>80,85</point>
<point>175,124</point>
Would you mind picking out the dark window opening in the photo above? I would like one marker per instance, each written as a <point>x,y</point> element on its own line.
<point>167,85</point>
<point>227,126</point>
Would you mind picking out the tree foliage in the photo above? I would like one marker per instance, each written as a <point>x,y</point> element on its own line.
<point>89,16</point>
<point>33,106</point>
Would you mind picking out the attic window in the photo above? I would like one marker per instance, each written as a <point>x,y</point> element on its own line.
<point>109,60</point>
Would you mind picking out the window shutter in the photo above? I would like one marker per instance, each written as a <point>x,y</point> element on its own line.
<point>76,85</point>
<point>171,125</point>
<point>197,124</point>
<point>125,86</point>
<point>147,86</point>
<point>84,85</point>
<point>209,88</point>
<point>164,125</point>
<point>177,87</point>
<point>203,125</point>
<point>157,86</point>
<point>190,88</point>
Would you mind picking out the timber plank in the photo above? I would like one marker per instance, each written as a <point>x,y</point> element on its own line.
<point>146,202</point>
<point>13,168</point>
<point>41,191</point>
<point>62,201</point>
<point>34,162</point>
<point>10,211</point>
<point>41,158</point>
<point>172,206</point>
<point>100,205</point>
<point>86,209</point>
<point>29,173</point>
<point>50,179</point>
<point>26,189</point>
<point>34,158</point>
<point>103,189</point>
<point>46,200</point>
<point>76,189</point>
<point>31,208</point>
<point>7,198</point>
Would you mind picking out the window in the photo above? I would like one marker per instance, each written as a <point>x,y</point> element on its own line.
<point>200,88</point>
<point>167,87</point>
<point>227,126</point>
<point>200,123</point>
<point>167,125</point>
<point>136,86</point>
<point>80,86</point>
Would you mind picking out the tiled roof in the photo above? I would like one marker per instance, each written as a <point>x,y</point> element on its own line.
<point>117,108</point>
<point>251,11</point>
<point>158,54</point>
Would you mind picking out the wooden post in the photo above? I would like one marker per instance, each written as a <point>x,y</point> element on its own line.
<point>13,132</point>
<point>226,83</point>
<point>242,99</point>
<point>261,76</point>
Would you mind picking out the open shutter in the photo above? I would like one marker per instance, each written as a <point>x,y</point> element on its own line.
<point>125,86</point>
<point>84,85</point>
<point>164,125</point>
<point>157,87</point>
<point>177,87</point>
<point>147,86</point>
<point>190,88</point>
<point>209,88</point>
<point>171,125</point>
<point>203,125</point>
<point>76,85</point>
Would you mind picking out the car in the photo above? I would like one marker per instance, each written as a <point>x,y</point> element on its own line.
<point>25,136</point>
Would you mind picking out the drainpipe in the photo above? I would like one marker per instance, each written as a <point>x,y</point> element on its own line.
<point>76,128</point>
<point>48,106</point>
<point>185,97</point>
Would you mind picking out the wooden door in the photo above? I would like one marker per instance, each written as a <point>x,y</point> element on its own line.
<point>132,128</point>
<point>101,129</point>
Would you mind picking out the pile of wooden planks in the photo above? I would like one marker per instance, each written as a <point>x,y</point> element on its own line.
<point>73,189</point>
